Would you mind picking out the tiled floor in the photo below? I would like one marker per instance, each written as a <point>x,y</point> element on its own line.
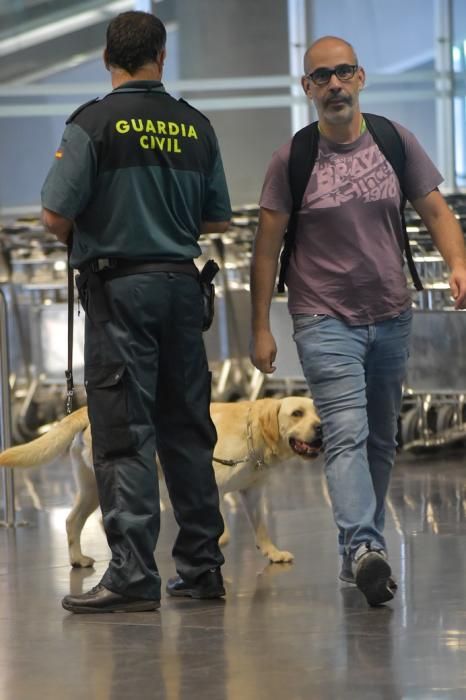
<point>285,632</point>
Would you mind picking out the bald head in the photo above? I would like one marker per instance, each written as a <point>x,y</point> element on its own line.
<point>328,45</point>
<point>334,87</point>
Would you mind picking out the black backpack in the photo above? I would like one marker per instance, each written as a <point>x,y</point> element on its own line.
<point>303,155</point>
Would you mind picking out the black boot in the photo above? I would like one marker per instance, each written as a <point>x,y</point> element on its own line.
<point>208,585</point>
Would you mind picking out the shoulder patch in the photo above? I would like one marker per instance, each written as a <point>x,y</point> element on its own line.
<point>180,99</point>
<point>80,109</point>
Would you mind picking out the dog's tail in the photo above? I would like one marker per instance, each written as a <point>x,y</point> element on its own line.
<point>47,447</point>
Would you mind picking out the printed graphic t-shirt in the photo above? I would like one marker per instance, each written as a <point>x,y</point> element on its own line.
<point>348,256</point>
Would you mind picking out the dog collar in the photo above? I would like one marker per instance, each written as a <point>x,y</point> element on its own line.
<point>252,455</point>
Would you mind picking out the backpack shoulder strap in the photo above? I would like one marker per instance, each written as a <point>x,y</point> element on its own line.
<point>303,155</point>
<point>389,141</point>
<point>387,138</point>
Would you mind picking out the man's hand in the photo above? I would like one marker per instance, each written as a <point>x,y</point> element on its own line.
<point>263,351</point>
<point>458,286</point>
<point>267,244</point>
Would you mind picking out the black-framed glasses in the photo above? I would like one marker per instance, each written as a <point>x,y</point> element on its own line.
<point>321,76</point>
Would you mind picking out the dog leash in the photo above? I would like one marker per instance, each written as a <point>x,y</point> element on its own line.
<point>259,462</point>
<point>69,370</point>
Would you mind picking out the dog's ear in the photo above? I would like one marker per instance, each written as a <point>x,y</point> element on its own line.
<point>268,422</point>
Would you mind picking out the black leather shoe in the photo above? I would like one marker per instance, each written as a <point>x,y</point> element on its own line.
<point>100,600</point>
<point>208,585</point>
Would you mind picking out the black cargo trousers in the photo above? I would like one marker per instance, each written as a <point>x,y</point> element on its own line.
<point>148,389</point>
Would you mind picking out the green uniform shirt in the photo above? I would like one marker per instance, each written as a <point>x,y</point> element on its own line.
<point>137,172</point>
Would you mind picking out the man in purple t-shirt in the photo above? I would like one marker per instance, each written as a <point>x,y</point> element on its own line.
<point>348,297</point>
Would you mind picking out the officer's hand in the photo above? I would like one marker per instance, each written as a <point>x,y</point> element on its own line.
<point>458,286</point>
<point>263,351</point>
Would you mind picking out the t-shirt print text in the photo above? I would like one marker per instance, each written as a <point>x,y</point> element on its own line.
<point>339,178</point>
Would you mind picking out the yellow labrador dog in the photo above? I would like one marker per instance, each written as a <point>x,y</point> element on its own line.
<point>253,436</point>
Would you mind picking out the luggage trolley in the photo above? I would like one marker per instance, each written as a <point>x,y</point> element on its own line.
<point>227,341</point>
<point>48,354</point>
<point>36,296</point>
<point>435,387</point>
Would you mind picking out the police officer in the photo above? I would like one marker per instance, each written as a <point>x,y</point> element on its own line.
<point>137,177</point>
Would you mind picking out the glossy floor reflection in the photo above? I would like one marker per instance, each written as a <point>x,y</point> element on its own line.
<point>284,631</point>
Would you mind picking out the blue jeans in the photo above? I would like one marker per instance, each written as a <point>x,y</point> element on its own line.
<point>355,375</point>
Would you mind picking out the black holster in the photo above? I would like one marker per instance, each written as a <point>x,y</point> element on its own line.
<point>91,292</point>
<point>206,276</point>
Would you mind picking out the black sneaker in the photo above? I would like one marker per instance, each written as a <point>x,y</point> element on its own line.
<point>373,575</point>
<point>208,585</point>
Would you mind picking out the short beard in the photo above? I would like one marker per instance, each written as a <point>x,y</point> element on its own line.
<point>342,116</point>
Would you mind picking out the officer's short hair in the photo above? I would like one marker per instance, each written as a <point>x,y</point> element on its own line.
<point>134,39</point>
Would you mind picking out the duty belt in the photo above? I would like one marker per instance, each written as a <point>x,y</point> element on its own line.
<point>94,274</point>
<point>109,268</point>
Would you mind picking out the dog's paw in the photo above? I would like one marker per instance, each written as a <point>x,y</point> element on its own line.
<point>277,556</point>
<point>82,562</point>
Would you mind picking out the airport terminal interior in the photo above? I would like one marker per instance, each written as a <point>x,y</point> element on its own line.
<point>286,629</point>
